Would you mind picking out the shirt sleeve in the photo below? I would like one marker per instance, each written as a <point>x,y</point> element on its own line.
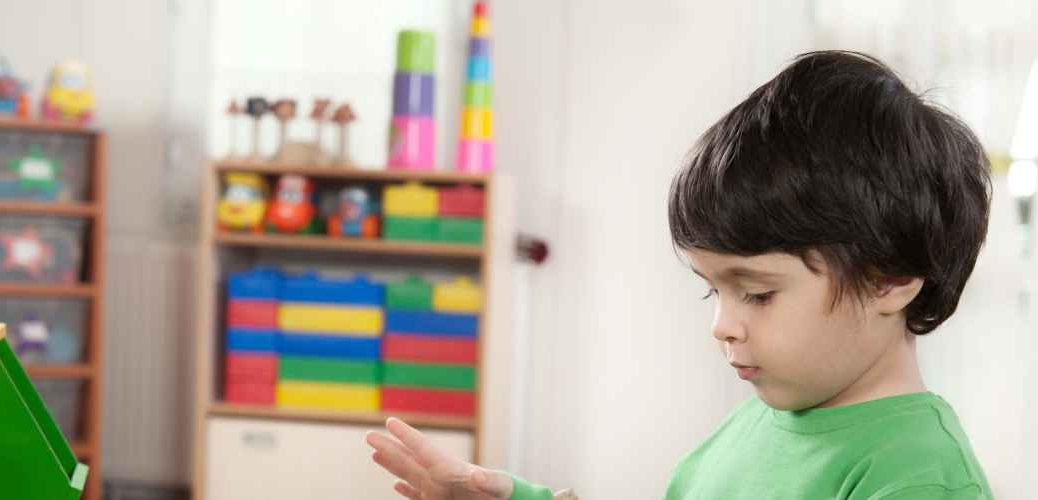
<point>527,491</point>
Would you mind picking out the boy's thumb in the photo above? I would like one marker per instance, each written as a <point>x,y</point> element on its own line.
<point>492,483</point>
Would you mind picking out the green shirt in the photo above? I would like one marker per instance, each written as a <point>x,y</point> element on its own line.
<point>903,447</point>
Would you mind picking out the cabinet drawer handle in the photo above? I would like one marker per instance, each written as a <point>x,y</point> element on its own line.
<point>259,439</point>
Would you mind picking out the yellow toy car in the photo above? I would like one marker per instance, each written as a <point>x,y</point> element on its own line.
<point>244,202</point>
<point>69,94</point>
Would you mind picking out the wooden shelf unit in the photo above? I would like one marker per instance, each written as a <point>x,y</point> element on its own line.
<point>88,446</point>
<point>212,241</point>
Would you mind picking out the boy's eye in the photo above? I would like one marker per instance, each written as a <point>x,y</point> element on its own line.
<point>758,299</point>
<point>712,291</point>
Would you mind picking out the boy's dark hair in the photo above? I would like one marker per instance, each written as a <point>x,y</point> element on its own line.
<point>837,155</point>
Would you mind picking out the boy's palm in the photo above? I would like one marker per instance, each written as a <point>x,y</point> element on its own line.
<point>427,473</point>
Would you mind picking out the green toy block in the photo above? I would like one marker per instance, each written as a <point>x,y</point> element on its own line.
<point>36,462</point>
<point>410,228</point>
<point>416,51</point>
<point>412,293</point>
<point>478,94</point>
<point>329,370</point>
<point>430,375</point>
<point>452,230</point>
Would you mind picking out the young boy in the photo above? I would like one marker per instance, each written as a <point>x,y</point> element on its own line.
<point>835,216</point>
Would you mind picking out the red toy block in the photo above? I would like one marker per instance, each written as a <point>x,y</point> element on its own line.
<point>429,348</point>
<point>252,314</point>
<point>254,394</point>
<point>251,368</point>
<point>448,402</point>
<point>462,201</point>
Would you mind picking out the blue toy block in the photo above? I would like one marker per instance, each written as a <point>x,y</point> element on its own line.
<point>432,323</point>
<point>259,283</point>
<point>249,340</point>
<point>478,69</point>
<point>330,346</point>
<point>311,288</point>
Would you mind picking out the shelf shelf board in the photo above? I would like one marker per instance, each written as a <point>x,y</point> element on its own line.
<point>327,416</point>
<point>44,208</point>
<point>73,371</point>
<point>38,125</point>
<point>350,173</point>
<point>349,245</point>
<point>37,290</point>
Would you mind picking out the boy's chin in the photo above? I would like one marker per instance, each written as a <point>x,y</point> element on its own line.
<point>784,399</point>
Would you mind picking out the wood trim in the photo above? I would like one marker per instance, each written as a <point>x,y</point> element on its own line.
<point>342,172</point>
<point>41,208</point>
<point>342,417</point>
<point>56,291</point>
<point>92,410</point>
<point>73,371</point>
<point>205,297</point>
<point>303,242</point>
<point>51,126</point>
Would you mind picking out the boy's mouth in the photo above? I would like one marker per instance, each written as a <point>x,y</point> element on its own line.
<point>746,372</point>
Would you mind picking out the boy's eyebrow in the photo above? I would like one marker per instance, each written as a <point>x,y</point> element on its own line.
<point>740,272</point>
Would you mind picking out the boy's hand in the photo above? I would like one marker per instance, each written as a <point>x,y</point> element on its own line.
<point>427,473</point>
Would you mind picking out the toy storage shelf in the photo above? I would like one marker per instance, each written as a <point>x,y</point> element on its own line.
<point>90,209</point>
<point>274,413</point>
<point>221,252</point>
<point>349,245</point>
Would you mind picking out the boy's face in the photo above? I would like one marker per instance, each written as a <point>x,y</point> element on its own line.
<point>773,315</point>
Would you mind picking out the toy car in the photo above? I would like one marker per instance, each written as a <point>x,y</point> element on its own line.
<point>69,94</point>
<point>356,214</point>
<point>292,210</point>
<point>244,202</point>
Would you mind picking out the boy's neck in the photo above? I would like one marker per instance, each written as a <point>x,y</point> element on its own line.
<point>896,372</point>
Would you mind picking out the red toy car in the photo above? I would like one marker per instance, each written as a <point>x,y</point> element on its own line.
<point>292,210</point>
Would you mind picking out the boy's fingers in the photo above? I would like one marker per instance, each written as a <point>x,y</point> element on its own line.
<point>490,482</point>
<point>424,452</point>
<point>400,465</point>
<point>380,441</point>
<point>407,490</point>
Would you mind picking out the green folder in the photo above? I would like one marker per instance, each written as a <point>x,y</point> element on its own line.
<point>36,463</point>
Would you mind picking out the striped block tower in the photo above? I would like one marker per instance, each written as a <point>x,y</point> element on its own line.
<point>476,147</point>
<point>251,363</point>
<point>430,348</point>
<point>412,137</point>
<point>330,344</point>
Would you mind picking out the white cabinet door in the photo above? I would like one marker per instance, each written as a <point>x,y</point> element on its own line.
<point>263,460</point>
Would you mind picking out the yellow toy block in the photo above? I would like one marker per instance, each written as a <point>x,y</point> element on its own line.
<point>324,396</point>
<point>460,295</point>
<point>477,123</point>
<point>480,26</point>
<point>347,320</point>
<point>411,200</point>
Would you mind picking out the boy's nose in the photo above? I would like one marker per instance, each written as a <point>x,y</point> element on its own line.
<point>727,327</point>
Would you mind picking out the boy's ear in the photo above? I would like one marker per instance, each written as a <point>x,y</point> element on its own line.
<point>894,293</point>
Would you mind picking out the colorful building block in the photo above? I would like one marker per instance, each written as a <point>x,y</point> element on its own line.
<point>429,348</point>
<point>317,395</point>
<point>416,51</point>
<point>479,95</point>
<point>462,201</point>
<point>432,323</point>
<point>431,375</point>
<point>249,393</point>
<point>410,228</point>
<point>317,369</point>
<point>475,155</point>
<point>259,283</point>
<point>412,143</point>
<point>412,293</point>
<point>358,348</point>
<point>338,319</point>
<point>410,200</point>
<point>460,295</point>
<point>249,313</point>
<point>454,230</point>
<point>254,368</point>
<point>413,93</point>
<point>311,288</point>
<point>441,401</point>
<point>477,123</point>
<point>252,340</point>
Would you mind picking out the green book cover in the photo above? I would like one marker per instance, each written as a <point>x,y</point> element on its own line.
<point>36,463</point>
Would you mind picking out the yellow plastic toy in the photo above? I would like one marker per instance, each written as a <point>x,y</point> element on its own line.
<point>244,202</point>
<point>69,94</point>
<point>411,200</point>
<point>345,320</point>
<point>460,296</point>
<point>324,396</point>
